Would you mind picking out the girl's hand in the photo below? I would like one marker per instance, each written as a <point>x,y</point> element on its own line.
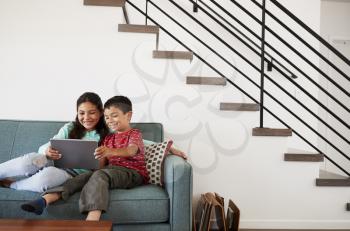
<point>52,154</point>
<point>102,152</point>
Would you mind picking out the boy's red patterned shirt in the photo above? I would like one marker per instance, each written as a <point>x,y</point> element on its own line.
<point>123,140</point>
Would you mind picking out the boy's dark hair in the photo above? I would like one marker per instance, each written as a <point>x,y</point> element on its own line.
<point>121,102</point>
<point>78,130</point>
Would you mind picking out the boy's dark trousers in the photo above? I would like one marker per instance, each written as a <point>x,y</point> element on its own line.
<point>95,186</point>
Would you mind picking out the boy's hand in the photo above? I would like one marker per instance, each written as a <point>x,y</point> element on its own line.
<point>52,154</point>
<point>178,152</point>
<point>102,152</point>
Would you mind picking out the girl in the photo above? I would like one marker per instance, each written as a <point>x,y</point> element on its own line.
<point>38,167</point>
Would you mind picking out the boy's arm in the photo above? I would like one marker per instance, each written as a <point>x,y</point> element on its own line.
<point>134,144</point>
<point>102,163</point>
<point>104,152</point>
<point>178,152</point>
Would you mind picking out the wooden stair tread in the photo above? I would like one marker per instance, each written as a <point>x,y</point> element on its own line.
<point>117,3</point>
<point>133,28</point>
<point>157,54</point>
<point>206,80</point>
<point>272,131</point>
<point>239,107</point>
<point>303,157</point>
<point>344,182</point>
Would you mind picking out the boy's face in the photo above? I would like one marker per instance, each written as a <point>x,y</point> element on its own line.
<point>116,119</point>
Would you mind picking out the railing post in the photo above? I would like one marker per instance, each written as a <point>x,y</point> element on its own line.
<point>262,65</point>
<point>146,11</point>
<point>195,6</point>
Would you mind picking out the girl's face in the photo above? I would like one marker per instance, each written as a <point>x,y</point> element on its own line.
<point>116,119</point>
<point>88,115</point>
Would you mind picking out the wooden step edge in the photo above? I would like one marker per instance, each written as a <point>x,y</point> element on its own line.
<point>206,80</point>
<point>303,157</point>
<point>239,107</point>
<point>172,55</point>
<point>272,132</point>
<point>333,182</point>
<point>134,28</point>
<point>116,3</point>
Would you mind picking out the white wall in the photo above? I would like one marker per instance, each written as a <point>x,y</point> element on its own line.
<point>52,51</point>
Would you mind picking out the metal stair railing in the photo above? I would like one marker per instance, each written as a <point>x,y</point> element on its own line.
<point>279,54</point>
<point>272,59</point>
<point>264,91</point>
<point>275,83</point>
<point>313,33</point>
<point>284,42</point>
<point>292,48</point>
<point>258,69</point>
<point>303,41</point>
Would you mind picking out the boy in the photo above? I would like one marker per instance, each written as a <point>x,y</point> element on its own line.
<point>123,151</point>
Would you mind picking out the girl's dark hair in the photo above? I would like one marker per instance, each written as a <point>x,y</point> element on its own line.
<point>78,130</point>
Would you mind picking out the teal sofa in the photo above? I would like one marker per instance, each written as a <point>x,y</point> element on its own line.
<point>145,208</point>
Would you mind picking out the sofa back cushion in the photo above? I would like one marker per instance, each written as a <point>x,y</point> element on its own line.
<point>21,137</point>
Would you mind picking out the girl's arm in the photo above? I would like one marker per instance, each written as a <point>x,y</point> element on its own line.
<point>62,134</point>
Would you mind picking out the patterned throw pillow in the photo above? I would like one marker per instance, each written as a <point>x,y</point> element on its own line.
<point>154,156</point>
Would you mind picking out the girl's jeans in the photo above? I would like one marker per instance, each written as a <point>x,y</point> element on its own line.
<point>39,173</point>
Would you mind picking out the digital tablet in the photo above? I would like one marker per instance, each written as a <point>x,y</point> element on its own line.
<point>75,153</point>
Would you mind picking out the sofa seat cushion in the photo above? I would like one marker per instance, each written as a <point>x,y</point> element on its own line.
<point>144,204</point>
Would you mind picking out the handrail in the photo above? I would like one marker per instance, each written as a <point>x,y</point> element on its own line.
<point>232,83</point>
<point>304,42</point>
<point>318,37</point>
<point>277,52</point>
<point>292,48</point>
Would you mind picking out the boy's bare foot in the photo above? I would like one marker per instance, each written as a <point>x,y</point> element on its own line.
<point>94,215</point>
<point>5,183</point>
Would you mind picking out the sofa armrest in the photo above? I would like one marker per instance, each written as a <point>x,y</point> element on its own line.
<point>178,184</point>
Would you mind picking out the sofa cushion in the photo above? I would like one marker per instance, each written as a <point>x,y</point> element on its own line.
<point>31,135</point>
<point>7,137</point>
<point>144,204</point>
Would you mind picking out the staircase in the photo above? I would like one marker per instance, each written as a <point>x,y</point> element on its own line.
<point>221,81</point>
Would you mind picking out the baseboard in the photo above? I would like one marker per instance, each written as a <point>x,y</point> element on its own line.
<point>295,224</point>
